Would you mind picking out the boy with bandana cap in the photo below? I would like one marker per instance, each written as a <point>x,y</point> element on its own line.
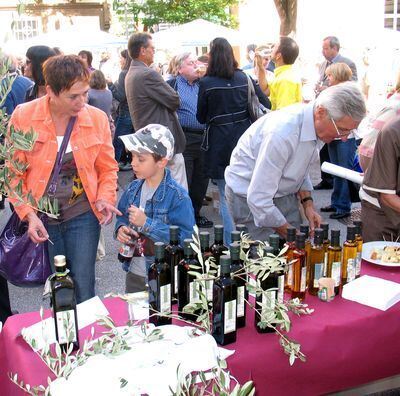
<point>152,202</point>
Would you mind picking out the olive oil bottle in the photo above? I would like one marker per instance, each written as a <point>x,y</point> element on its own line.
<point>349,256</point>
<point>240,280</point>
<point>326,243</point>
<point>299,285</point>
<point>273,241</point>
<point>316,262</point>
<point>173,255</point>
<point>290,243</point>
<point>224,305</point>
<point>359,240</point>
<point>218,248</point>
<point>206,254</point>
<point>335,260</point>
<point>235,236</point>
<point>305,229</point>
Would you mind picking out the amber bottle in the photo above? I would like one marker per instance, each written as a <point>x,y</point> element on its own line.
<point>359,240</point>
<point>290,243</point>
<point>335,260</point>
<point>349,256</point>
<point>316,262</point>
<point>299,285</point>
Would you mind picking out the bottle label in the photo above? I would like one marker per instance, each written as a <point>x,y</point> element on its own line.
<point>290,276</point>
<point>165,299</point>
<point>240,301</point>
<point>176,279</point>
<point>193,292</point>
<point>318,273</point>
<point>126,250</point>
<point>230,317</point>
<point>281,288</point>
<point>209,290</point>
<point>325,264</point>
<point>351,270</point>
<point>66,326</point>
<point>268,301</point>
<point>336,267</point>
<point>358,264</point>
<point>303,279</point>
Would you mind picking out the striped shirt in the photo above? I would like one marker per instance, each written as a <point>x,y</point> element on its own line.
<point>188,94</point>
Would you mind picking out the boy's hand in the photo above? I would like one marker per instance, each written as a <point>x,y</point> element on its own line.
<point>136,216</point>
<point>125,234</point>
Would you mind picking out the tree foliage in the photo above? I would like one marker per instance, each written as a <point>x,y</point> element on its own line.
<point>153,12</point>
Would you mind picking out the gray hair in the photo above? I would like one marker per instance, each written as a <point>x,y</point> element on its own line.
<point>333,42</point>
<point>342,100</point>
<point>179,59</point>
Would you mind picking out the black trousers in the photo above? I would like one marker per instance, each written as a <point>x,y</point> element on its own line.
<point>5,309</point>
<point>194,163</point>
<point>324,157</point>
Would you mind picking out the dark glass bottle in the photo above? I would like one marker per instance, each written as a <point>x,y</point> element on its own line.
<point>173,255</point>
<point>290,243</point>
<point>64,305</point>
<point>224,305</point>
<point>335,260</point>
<point>349,256</point>
<point>240,280</point>
<point>359,241</point>
<point>275,281</point>
<point>317,262</point>
<point>206,253</point>
<point>188,289</point>
<point>218,248</point>
<point>235,236</point>
<point>273,241</point>
<point>159,277</point>
<point>299,285</point>
<point>325,243</point>
<point>125,255</point>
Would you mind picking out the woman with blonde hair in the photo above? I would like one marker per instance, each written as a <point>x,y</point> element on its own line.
<point>337,73</point>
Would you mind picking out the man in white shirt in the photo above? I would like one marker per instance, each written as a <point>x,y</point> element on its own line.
<point>269,168</point>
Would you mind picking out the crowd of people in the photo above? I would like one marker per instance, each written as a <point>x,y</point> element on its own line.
<point>178,133</point>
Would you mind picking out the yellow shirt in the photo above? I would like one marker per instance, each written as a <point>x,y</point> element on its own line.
<point>285,89</point>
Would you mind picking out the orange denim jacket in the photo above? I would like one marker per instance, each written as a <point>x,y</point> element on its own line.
<point>91,147</point>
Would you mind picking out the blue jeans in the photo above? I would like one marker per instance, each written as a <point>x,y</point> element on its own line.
<point>342,154</point>
<point>224,212</point>
<point>77,239</point>
<point>123,126</point>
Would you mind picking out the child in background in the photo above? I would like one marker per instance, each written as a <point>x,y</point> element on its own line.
<point>152,202</point>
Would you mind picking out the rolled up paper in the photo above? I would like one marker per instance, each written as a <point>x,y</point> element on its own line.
<point>344,173</point>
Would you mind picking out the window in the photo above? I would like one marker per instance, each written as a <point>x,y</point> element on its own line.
<point>25,28</point>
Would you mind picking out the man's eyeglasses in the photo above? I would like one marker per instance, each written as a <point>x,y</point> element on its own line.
<point>340,134</point>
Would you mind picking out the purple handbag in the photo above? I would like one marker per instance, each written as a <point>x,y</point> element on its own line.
<point>23,262</point>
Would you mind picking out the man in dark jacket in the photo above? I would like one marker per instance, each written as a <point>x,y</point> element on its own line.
<point>152,101</point>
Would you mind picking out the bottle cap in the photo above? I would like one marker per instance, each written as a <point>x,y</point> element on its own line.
<point>305,229</point>
<point>234,250</point>
<point>159,249</point>
<point>268,249</point>
<point>173,233</point>
<point>273,241</point>
<point>204,239</point>
<point>218,232</point>
<point>358,225</point>
<point>335,237</point>
<point>300,240</point>
<point>318,236</point>
<point>242,228</point>
<point>291,234</point>
<point>325,228</point>
<point>351,232</point>
<point>225,265</point>
<point>60,261</point>
<point>235,236</point>
<point>187,248</point>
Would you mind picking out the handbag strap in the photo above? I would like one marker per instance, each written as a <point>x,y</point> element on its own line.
<point>250,88</point>
<point>51,191</point>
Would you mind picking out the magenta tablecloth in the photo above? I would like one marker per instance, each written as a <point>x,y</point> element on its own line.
<point>346,344</point>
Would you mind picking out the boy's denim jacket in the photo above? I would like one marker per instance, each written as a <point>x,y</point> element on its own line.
<point>170,205</point>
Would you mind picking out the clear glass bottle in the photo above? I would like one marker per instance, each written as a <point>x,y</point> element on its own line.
<point>159,278</point>
<point>224,305</point>
<point>290,243</point>
<point>188,289</point>
<point>240,280</point>
<point>326,243</point>
<point>299,285</point>
<point>64,305</point>
<point>173,255</point>
<point>349,256</point>
<point>305,229</point>
<point>359,240</point>
<point>317,262</point>
<point>334,266</point>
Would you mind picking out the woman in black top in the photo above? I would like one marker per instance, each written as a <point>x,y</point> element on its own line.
<point>123,122</point>
<point>223,106</point>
